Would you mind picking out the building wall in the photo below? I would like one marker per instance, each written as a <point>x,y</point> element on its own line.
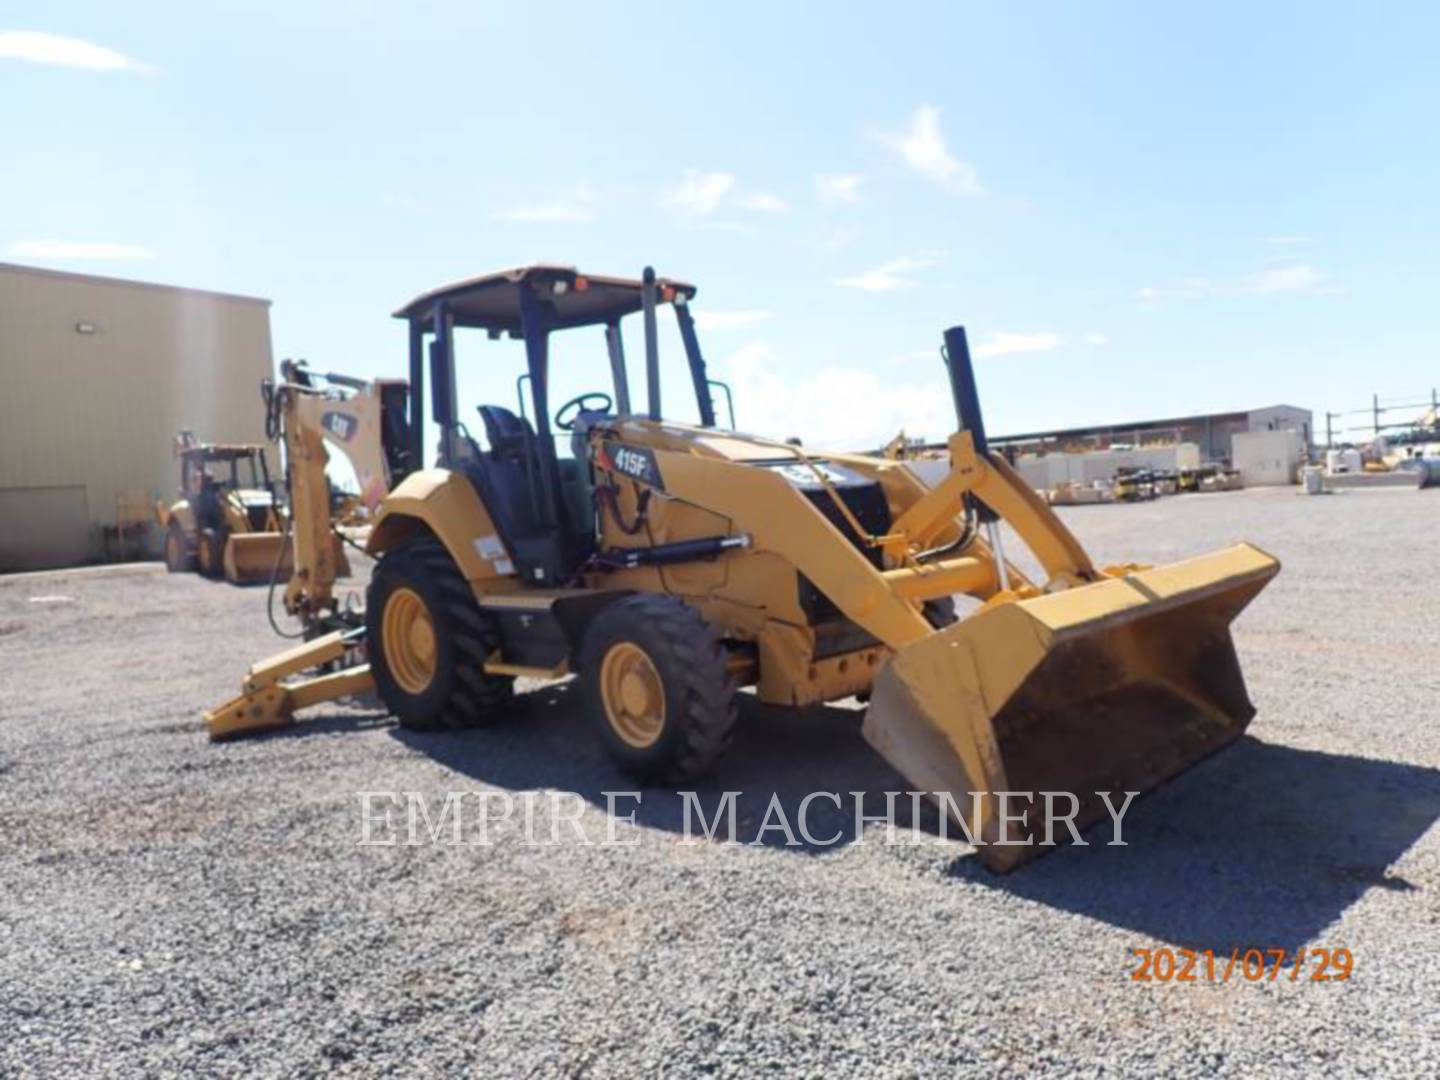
<point>1044,471</point>
<point>88,416</point>
<point>1268,457</point>
<point>1286,418</point>
<point>1213,433</point>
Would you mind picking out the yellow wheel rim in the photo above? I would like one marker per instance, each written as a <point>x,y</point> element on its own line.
<point>633,695</point>
<point>408,638</point>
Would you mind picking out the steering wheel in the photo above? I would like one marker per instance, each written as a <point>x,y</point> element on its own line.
<point>582,404</point>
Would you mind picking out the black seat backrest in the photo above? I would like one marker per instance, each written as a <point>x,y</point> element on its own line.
<point>508,478</point>
<point>510,437</point>
<point>208,511</point>
<point>395,431</point>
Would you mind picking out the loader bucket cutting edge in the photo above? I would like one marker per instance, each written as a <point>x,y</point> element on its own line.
<point>1109,687</point>
<point>250,557</point>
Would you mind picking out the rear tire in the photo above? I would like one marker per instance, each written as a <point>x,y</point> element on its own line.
<point>210,553</point>
<point>428,642</point>
<point>657,688</point>
<point>178,558</point>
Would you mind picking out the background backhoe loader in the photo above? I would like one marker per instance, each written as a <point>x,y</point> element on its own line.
<point>668,564</point>
<point>225,493</point>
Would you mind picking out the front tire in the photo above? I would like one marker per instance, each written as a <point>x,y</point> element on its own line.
<point>210,553</point>
<point>428,642</point>
<point>178,559</point>
<point>657,688</point>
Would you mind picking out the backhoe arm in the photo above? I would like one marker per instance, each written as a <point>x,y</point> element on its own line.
<point>310,417</point>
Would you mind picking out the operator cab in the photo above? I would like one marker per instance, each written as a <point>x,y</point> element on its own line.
<point>543,504</point>
<point>212,473</point>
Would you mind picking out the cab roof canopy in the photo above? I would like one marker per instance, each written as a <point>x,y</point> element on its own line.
<point>492,302</point>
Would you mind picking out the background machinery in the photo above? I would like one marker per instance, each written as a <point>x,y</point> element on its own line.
<point>669,564</point>
<point>225,492</point>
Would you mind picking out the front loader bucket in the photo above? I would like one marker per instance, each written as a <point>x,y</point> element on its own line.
<point>1110,687</point>
<point>250,557</point>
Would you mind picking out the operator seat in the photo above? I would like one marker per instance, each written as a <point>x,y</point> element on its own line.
<point>513,467</point>
<point>510,480</point>
<point>509,436</point>
<point>209,512</point>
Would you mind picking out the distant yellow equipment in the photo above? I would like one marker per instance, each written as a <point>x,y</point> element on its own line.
<point>668,563</point>
<point>225,494</point>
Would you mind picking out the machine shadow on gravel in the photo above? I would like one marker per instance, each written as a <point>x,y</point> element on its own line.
<point>546,743</point>
<point>374,716</point>
<point>1262,845</point>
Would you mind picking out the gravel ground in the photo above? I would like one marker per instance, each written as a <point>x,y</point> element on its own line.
<point>172,906</point>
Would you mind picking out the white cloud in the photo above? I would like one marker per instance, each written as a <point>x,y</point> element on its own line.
<point>729,320</point>
<point>890,276</point>
<point>836,408</point>
<point>577,205</point>
<point>67,249</point>
<point>549,212</point>
<point>762,202</point>
<point>1299,278</point>
<point>556,211</point>
<point>1002,343</point>
<point>36,47</point>
<point>923,149</point>
<point>700,192</point>
<point>1095,338</point>
<point>838,188</point>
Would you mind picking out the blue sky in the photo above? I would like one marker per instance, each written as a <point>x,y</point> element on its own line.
<point>1136,209</point>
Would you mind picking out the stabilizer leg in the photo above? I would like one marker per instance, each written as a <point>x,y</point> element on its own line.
<point>266,703</point>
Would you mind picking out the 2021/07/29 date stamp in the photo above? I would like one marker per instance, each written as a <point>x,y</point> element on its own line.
<point>1311,964</point>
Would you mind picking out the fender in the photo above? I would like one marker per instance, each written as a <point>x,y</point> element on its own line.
<point>444,503</point>
<point>181,514</point>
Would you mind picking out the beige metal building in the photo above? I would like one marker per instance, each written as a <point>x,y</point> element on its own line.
<point>1211,432</point>
<point>98,376</point>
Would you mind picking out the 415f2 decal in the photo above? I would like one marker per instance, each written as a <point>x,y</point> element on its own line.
<point>636,462</point>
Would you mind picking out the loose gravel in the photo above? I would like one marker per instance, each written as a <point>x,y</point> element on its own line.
<point>173,907</point>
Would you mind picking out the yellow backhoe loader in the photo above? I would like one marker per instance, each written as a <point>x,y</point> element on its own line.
<point>226,497</point>
<point>669,563</point>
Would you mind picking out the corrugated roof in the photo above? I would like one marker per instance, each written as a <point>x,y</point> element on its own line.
<point>1138,425</point>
